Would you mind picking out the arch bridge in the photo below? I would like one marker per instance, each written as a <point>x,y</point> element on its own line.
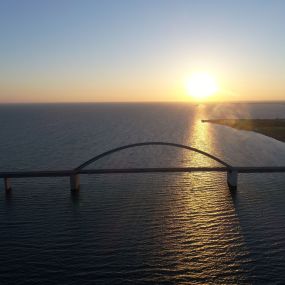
<point>74,174</point>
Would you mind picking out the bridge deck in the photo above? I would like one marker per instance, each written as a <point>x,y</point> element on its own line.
<point>65,173</point>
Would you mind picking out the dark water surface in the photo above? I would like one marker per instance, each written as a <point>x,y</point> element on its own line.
<point>140,228</point>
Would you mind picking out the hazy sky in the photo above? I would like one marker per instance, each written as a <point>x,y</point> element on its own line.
<point>64,50</point>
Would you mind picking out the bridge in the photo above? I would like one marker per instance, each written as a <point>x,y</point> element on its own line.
<point>74,174</point>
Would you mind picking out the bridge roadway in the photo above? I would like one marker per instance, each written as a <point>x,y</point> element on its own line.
<point>67,173</point>
<point>71,173</point>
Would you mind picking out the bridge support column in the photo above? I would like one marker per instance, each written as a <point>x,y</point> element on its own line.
<point>7,184</point>
<point>232,179</point>
<point>75,182</point>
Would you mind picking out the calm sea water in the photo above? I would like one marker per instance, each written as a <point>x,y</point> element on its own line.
<point>140,228</point>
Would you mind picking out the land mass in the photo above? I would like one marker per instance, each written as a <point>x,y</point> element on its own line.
<point>274,128</point>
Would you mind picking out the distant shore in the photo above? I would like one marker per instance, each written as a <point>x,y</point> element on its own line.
<point>274,128</point>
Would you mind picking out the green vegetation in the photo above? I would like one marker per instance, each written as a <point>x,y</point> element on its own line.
<point>274,128</point>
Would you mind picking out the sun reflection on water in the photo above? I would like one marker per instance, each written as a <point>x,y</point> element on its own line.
<point>203,219</point>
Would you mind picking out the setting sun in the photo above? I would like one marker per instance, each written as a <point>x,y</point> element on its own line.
<point>201,85</point>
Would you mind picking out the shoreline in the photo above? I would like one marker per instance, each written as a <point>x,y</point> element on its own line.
<point>274,128</point>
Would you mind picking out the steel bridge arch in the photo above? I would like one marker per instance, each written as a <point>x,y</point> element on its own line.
<point>106,153</point>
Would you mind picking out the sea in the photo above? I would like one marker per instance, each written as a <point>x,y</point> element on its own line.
<point>151,228</point>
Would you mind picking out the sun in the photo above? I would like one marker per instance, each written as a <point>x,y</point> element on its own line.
<point>201,85</point>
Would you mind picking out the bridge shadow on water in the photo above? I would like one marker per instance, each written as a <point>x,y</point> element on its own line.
<point>259,205</point>
<point>75,198</point>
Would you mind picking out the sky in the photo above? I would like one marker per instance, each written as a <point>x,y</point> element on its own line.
<point>140,50</point>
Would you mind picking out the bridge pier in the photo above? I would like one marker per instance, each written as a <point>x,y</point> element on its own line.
<point>7,184</point>
<point>75,182</point>
<point>232,179</point>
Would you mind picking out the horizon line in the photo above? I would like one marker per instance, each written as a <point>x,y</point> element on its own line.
<point>141,102</point>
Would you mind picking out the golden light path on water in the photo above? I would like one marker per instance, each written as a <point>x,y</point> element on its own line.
<point>204,226</point>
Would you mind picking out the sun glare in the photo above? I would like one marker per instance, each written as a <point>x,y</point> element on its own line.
<point>201,85</point>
